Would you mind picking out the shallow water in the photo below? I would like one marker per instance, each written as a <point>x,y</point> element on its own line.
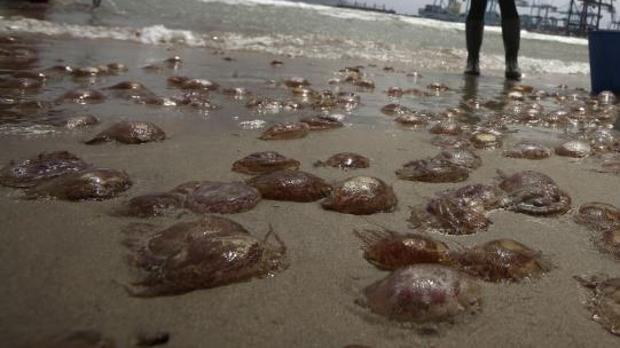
<point>64,266</point>
<point>282,27</point>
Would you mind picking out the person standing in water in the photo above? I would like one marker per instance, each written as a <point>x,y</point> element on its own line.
<point>511,35</point>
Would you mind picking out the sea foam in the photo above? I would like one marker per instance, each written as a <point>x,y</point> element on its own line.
<point>378,16</point>
<point>307,45</point>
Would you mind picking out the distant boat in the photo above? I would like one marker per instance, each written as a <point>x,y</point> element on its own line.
<point>450,13</point>
<point>364,7</point>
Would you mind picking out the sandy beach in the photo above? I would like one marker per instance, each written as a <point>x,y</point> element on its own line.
<point>64,267</point>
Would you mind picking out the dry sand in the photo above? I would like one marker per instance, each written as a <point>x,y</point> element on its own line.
<point>63,265</point>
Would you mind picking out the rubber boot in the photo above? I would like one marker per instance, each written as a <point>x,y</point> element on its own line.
<point>474,30</point>
<point>511,34</point>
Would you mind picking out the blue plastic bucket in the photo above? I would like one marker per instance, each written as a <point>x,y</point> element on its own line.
<point>605,60</point>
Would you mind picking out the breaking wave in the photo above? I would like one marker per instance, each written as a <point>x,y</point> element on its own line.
<point>377,16</point>
<point>308,45</point>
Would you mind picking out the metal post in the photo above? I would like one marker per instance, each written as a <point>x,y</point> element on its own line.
<point>570,15</point>
<point>598,17</point>
<point>583,19</point>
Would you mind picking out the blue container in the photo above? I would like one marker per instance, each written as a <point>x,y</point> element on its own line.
<point>605,60</point>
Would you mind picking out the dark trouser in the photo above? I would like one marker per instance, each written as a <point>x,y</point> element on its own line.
<point>507,8</point>
<point>511,35</point>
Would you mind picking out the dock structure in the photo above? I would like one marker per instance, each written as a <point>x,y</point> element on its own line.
<point>577,18</point>
<point>584,16</point>
<point>539,12</point>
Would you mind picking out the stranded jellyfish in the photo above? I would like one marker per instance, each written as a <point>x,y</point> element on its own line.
<point>502,259</point>
<point>289,185</point>
<point>602,140</point>
<point>447,127</point>
<point>198,196</point>
<point>345,160</point>
<point>199,84</point>
<point>45,166</point>
<point>264,162</point>
<point>89,184</point>
<point>129,132</point>
<point>574,148</point>
<point>296,81</point>
<point>606,97</point>
<point>433,170</point>
<point>396,109</point>
<point>193,99</point>
<point>364,83</point>
<point>486,140</point>
<point>236,92</point>
<point>283,131</point>
<point>136,91</point>
<point>152,204</point>
<point>395,92</point>
<point>598,216</point>
<point>83,96</point>
<point>317,123</point>
<point>609,242</point>
<point>209,252</point>
<point>73,122</point>
<point>89,71</point>
<point>423,293</point>
<point>451,216</point>
<point>264,105</point>
<point>479,197</point>
<point>219,197</point>
<point>127,85</point>
<point>187,83</point>
<point>23,83</point>
<point>391,250</point>
<point>461,211</point>
<point>605,302</point>
<point>534,193</point>
<point>461,157</point>
<point>412,120</point>
<point>528,150</point>
<point>361,195</point>
<point>438,87</point>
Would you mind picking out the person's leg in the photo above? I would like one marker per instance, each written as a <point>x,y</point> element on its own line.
<point>474,29</point>
<point>511,34</point>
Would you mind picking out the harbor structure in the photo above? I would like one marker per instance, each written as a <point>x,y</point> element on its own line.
<point>584,16</point>
<point>577,19</point>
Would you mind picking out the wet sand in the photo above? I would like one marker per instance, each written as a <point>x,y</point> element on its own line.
<point>63,265</point>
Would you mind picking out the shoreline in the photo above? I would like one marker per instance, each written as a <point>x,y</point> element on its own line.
<point>63,261</point>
